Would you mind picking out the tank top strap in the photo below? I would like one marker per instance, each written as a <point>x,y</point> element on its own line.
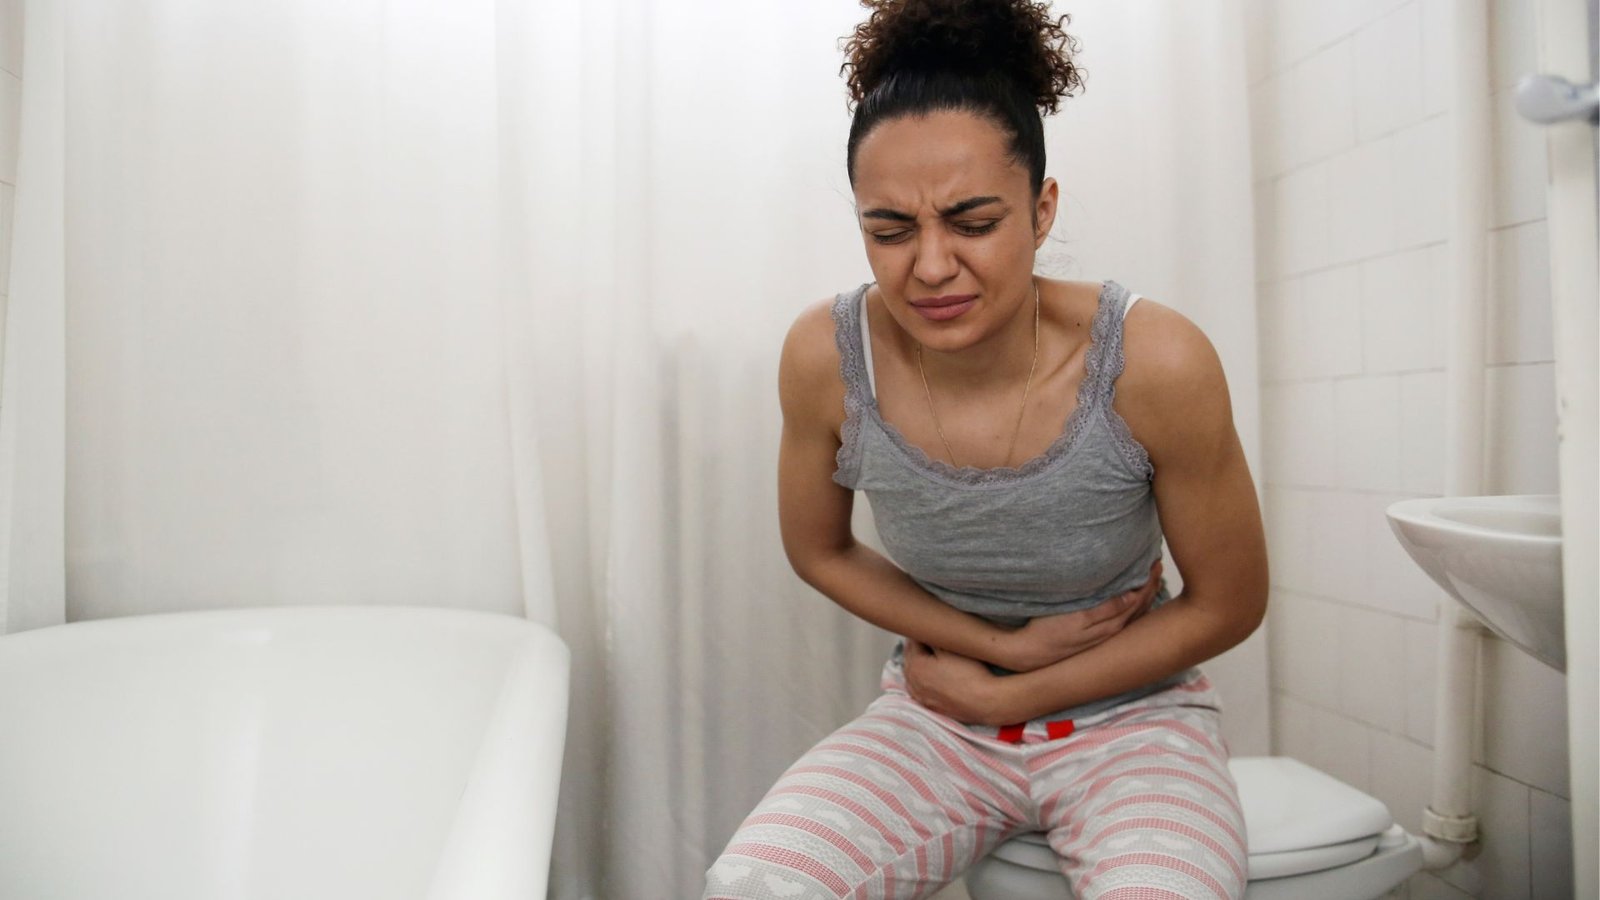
<point>1103,366</point>
<point>849,334</point>
<point>1104,362</point>
<point>849,323</point>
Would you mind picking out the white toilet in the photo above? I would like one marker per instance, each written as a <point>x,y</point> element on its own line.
<point>1311,837</point>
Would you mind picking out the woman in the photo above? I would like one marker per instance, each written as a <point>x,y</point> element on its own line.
<point>1026,444</point>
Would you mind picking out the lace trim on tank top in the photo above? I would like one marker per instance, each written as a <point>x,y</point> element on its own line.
<point>857,396</point>
<point>1094,392</point>
<point>1106,360</point>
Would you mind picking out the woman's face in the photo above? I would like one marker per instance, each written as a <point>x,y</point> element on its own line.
<point>951,226</point>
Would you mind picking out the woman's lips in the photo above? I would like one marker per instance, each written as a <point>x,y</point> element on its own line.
<point>940,309</point>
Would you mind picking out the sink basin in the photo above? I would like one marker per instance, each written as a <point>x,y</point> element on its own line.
<point>1499,556</point>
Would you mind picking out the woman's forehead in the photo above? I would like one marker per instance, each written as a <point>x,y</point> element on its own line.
<point>935,160</point>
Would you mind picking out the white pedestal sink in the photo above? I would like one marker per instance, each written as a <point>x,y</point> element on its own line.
<point>1499,556</point>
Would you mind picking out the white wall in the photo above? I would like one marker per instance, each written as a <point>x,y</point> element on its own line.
<point>1351,166</point>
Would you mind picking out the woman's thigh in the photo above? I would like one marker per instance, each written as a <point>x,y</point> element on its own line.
<point>1143,806</point>
<point>893,805</point>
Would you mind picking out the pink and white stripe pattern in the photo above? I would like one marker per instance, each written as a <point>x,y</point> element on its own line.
<point>1137,803</point>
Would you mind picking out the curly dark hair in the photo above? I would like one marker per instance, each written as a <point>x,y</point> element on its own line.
<point>1008,61</point>
<point>1017,37</point>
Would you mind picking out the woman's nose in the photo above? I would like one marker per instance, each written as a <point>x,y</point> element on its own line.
<point>936,261</point>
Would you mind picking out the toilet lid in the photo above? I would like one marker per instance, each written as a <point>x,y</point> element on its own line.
<point>1297,820</point>
<point>1289,806</point>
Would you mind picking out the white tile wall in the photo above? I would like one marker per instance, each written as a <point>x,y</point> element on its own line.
<point>1550,851</point>
<point>1403,310</point>
<point>1361,187</point>
<point>1524,707</point>
<point>1367,431</point>
<point>1292,733</point>
<point>1341,747</point>
<point>1519,328</point>
<point>1324,326</point>
<point>1422,645</point>
<point>1426,887</point>
<point>1402,776</point>
<point>1353,206</point>
<point>1297,28</point>
<point>1289,539</point>
<point>1499,868</point>
<point>1316,99</point>
<point>1521,408</point>
<point>1389,72</point>
<point>1300,216</point>
<point>1304,648</point>
<point>1338,548</point>
<point>1303,455</point>
<point>1371,666</point>
<point>1520,167</point>
<point>1421,203</point>
<point>1422,433</point>
<point>1435,56</point>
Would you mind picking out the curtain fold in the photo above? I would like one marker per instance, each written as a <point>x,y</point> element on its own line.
<point>33,380</point>
<point>479,304</point>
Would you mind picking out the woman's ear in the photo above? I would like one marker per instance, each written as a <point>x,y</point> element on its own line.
<point>1044,211</point>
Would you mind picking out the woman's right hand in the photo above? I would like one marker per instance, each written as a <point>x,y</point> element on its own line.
<point>1049,639</point>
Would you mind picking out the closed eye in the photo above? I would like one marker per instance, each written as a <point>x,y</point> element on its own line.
<point>977,228</point>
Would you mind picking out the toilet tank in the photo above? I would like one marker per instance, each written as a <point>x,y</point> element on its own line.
<point>311,752</point>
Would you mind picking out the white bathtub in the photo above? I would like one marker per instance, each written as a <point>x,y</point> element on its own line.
<point>312,752</point>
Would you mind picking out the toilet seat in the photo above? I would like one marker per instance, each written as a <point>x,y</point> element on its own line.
<point>1314,859</point>
<point>1031,851</point>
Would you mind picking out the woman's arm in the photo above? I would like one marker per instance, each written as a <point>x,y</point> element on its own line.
<point>1175,399</point>
<point>814,517</point>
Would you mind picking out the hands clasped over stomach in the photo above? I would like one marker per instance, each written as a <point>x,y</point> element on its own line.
<point>961,687</point>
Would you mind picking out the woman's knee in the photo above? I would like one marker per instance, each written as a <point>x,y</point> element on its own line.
<point>757,865</point>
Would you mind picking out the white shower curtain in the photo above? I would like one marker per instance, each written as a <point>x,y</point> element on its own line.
<point>478,304</point>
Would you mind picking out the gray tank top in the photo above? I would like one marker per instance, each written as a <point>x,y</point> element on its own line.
<point>1064,531</point>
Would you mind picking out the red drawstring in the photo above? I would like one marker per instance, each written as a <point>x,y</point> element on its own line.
<point>1012,734</point>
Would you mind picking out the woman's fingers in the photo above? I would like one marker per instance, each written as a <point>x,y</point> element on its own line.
<point>1125,608</point>
<point>1110,611</point>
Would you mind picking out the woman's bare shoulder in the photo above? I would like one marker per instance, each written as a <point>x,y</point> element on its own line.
<point>809,384</point>
<point>1172,381</point>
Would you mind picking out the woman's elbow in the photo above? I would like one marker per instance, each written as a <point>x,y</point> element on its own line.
<point>811,562</point>
<point>1248,612</point>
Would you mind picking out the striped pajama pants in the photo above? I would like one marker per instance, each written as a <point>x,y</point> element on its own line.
<point>1137,803</point>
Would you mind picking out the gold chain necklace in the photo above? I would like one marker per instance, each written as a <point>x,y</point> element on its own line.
<point>1017,430</point>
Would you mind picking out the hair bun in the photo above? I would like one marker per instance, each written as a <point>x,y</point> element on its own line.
<point>1018,38</point>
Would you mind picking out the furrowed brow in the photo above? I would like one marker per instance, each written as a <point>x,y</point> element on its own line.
<point>955,209</point>
<point>967,205</point>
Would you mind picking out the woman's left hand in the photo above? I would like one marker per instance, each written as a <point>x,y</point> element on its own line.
<point>953,685</point>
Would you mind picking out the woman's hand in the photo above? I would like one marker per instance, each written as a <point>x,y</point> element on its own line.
<point>1050,639</point>
<point>957,686</point>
